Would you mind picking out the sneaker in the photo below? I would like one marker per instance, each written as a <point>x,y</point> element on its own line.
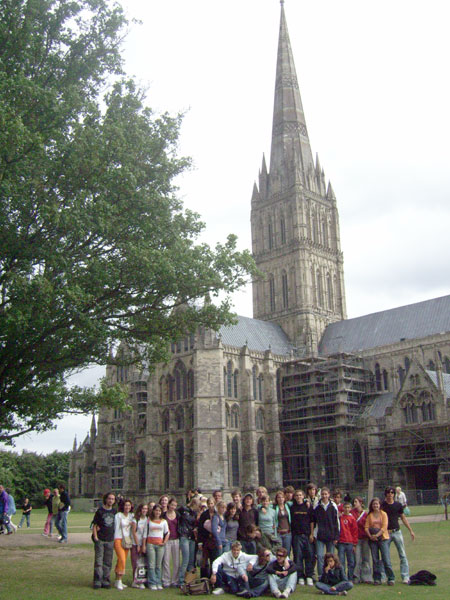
<point>218,591</point>
<point>159,587</point>
<point>301,581</point>
<point>106,585</point>
<point>344,593</point>
<point>277,594</point>
<point>124,586</point>
<point>405,580</point>
<point>118,585</point>
<point>153,587</point>
<point>309,581</point>
<point>135,585</point>
<point>97,586</point>
<point>390,582</point>
<point>45,535</point>
<point>142,586</point>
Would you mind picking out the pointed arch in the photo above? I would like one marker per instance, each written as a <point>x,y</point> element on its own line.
<point>319,288</point>
<point>285,289</point>
<point>166,465</point>
<point>259,419</point>
<point>283,229</point>
<point>229,392</point>
<point>385,379</point>
<point>141,470</point>
<point>179,418</point>
<point>330,293</point>
<point>236,383</point>
<point>261,454</point>
<point>271,293</point>
<point>235,416</point>
<point>378,377</point>
<point>179,452</point>
<point>165,421</point>
<point>235,462</point>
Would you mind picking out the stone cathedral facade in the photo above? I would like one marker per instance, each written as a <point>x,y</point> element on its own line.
<point>299,392</point>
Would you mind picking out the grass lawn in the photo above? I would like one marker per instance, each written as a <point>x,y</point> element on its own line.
<point>66,572</point>
<point>78,522</point>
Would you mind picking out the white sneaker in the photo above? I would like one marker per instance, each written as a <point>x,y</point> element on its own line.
<point>405,580</point>
<point>44,534</point>
<point>301,582</point>
<point>153,587</point>
<point>118,585</point>
<point>142,586</point>
<point>277,594</point>
<point>218,591</point>
<point>159,587</point>
<point>309,581</point>
<point>135,585</point>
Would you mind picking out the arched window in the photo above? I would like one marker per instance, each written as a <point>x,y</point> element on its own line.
<point>171,385</point>
<point>179,451</point>
<point>119,434</point>
<point>141,470</point>
<point>261,462</point>
<point>319,289</point>
<point>272,292</point>
<point>270,234</point>
<point>324,231</point>
<point>235,470</point>
<point>378,377</point>
<point>235,417</point>
<point>228,416</point>
<point>235,383</point>
<point>358,463</point>
<point>259,419</point>
<point>401,375</point>
<point>224,382</point>
<point>284,288</point>
<point>180,381</point>
<point>385,380</point>
<point>330,292</point>
<point>190,417</point>
<point>260,388</point>
<point>190,384</point>
<point>113,435</point>
<point>229,379</point>
<point>162,390</point>
<point>179,418</point>
<point>165,421</point>
<point>446,364</point>
<point>255,384</point>
<point>191,341</point>
<point>283,230</point>
<point>166,465</point>
<point>407,363</point>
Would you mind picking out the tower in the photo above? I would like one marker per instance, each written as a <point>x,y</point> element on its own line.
<point>295,222</point>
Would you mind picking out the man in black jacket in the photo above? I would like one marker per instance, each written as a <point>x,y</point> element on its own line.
<point>326,517</point>
<point>63,511</point>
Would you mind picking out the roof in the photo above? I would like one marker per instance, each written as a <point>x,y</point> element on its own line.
<point>256,335</point>
<point>445,377</point>
<point>413,321</point>
<point>377,408</point>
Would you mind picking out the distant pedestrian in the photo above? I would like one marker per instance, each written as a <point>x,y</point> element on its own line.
<point>26,512</point>
<point>63,511</point>
<point>11,510</point>
<point>48,522</point>
<point>55,510</point>
<point>103,538</point>
<point>4,508</point>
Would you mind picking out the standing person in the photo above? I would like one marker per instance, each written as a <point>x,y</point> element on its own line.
<point>312,494</point>
<point>26,512</point>
<point>63,511</point>
<point>163,503</point>
<point>247,516</point>
<point>327,521</point>
<point>55,510</point>
<point>288,491</point>
<point>4,508</point>
<point>157,537</point>
<point>138,532</point>
<point>282,574</point>
<point>217,495</point>
<point>11,510</point>
<point>122,540</point>
<point>232,520</point>
<point>363,571</point>
<point>205,537</point>
<point>337,499</point>
<point>377,531</point>
<point>302,527</point>
<point>394,511</point>
<point>187,530</point>
<point>283,521</point>
<point>218,530</point>
<point>48,521</point>
<point>400,496</point>
<point>267,518</point>
<point>172,548</point>
<point>348,539</point>
<point>333,581</point>
<point>103,538</point>
<point>260,492</point>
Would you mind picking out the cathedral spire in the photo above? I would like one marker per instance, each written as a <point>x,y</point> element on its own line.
<point>289,133</point>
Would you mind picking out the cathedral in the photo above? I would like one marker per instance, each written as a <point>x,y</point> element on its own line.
<point>298,393</point>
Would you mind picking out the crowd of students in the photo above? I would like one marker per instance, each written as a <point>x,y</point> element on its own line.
<point>251,545</point>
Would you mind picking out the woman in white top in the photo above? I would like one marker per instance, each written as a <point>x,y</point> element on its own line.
<point>400,496</point>
<point>154,543</point>
<point>122,540</point>
<point>139,530</point>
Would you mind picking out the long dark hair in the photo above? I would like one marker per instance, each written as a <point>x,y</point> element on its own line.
<point>371,504</point>
<point>228,516</point>
<point>337,562</point>
<point>152,514</point>
<point>138,513</point>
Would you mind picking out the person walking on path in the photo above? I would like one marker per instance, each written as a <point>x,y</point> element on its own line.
<point>103,538</point>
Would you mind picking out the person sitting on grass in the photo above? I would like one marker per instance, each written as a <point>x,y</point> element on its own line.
<point>258,578</point>
<point>333,581</point>
<point>282,574</point>
<point>229,571</point>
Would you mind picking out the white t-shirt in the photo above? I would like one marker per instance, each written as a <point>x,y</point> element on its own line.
<point>141,529</point>
<point>156,530</point>
<point>122,525</point>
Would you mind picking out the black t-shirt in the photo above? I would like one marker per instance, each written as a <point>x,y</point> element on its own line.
<point>104,519</point>
<point>302,515</point>
<point>393,512</point>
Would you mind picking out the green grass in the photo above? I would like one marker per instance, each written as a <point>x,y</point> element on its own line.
<point>78,522</point>
<point>56,573</point>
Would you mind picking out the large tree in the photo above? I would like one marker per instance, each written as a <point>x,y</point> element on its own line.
<point>95,247</point>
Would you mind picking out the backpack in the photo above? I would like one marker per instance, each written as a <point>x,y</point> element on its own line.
<point>197,587</point>
<point>140,572</point>
<point>422,578</point>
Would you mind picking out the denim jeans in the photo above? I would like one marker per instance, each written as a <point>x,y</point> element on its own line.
<point>342,586</point>
<point>397,538</point>
<point>27,517</point>
<point>187,548</point>
<point>155,556</point>
<point>381,548</point>
<point>61,524</point>
<point>227,546</point>
<point>321,548</point>
<point>303,555</point>
<point>256,586</point>
<point>286,541</point>
<point>345,551</point>
<point>363,571</point>
<point>231,584</point>
<point>279,584</point>
<point>104,552</point>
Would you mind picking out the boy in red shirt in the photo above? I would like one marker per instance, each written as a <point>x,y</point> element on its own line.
<point>348,539</point>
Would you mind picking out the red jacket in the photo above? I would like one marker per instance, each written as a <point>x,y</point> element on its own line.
<point>349,529</point>
<point>360,521</point>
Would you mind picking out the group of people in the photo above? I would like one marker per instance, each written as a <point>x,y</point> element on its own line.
<point>58,507</point>
<point>252,544</point>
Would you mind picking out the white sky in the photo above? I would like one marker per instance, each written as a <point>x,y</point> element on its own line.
<point>376,93</point>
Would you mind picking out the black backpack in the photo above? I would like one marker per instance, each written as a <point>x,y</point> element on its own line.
<point>422,578</point>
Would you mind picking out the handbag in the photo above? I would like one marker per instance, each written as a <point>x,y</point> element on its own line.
<point>197,587</point>
<point>140,572</point>
<point>127,542</point>
<point>406,511</point>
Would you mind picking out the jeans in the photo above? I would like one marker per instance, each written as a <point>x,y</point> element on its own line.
<point>187,548</point>
<point>321,548</point>
<point>279,584</point>
<point>286,541</point>
<point>224,581</point>
<point>397,538</point>
<point>172,551</point>
<point>61,524</point>
<point>363,571</point>
<point>381,548</point>
<point>103,562</point>
<point>155,556</point>
<point>27,517</point>
<point>345,551</point>
<point>342,586</point>
<point>303,555</point>
<point>256,586</point>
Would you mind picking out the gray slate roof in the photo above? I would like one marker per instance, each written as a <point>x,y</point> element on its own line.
<point>387,327</point>
<point>446,378</point>
<point>377,408</point>
<point>257,335</point>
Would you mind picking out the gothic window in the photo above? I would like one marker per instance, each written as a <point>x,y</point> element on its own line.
<point>431,366</point>
<point>166,465</point>
<point>235,417</point>
<point>224,381</point>
<point>228,416</point>
<point>190,384</point>
<point>325,231</point>
<point>235,383</point>
<point>446,364</point>
<point>401,375</point>
<point>385,380</point>
<point>315,231</point>
<point>113,435</point>
<point>117,413</point>
<point>410,411</point>
<point>179,418</point>
<point>272,292</point>
<point>319,289</point>
<point>186,344</point>
<point>260,388</point>
<point>178,346</point>
<point>358,463</point>
<point>141,470</point>
<point>295,294</point>
<point>191,341</point>
<point>378,377</point>
<point>179,451</point>
<point>229,392</point>
<point>162,390</point>
<point>80,481</point>
<point>180,381</point>
<point>407,363</point>
<point>171,386</point>
<point>190,418</point>
<point>259,419</point>
<point>283,230</point>
<point>117,461</point>
<point>165,421</point>
<point>428,412</point>
<point>330,292</point>
<point>119,434</point>
<point>284,287</point>
<point>261,462</point>
<point>270,234</point>
<point>235,470</point>
<point>254,384</point>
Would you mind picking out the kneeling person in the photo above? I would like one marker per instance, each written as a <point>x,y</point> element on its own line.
<point>282,575</point>
<point>229,571</point>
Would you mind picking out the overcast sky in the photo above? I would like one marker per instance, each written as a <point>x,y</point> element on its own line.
<point>374,82</point>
